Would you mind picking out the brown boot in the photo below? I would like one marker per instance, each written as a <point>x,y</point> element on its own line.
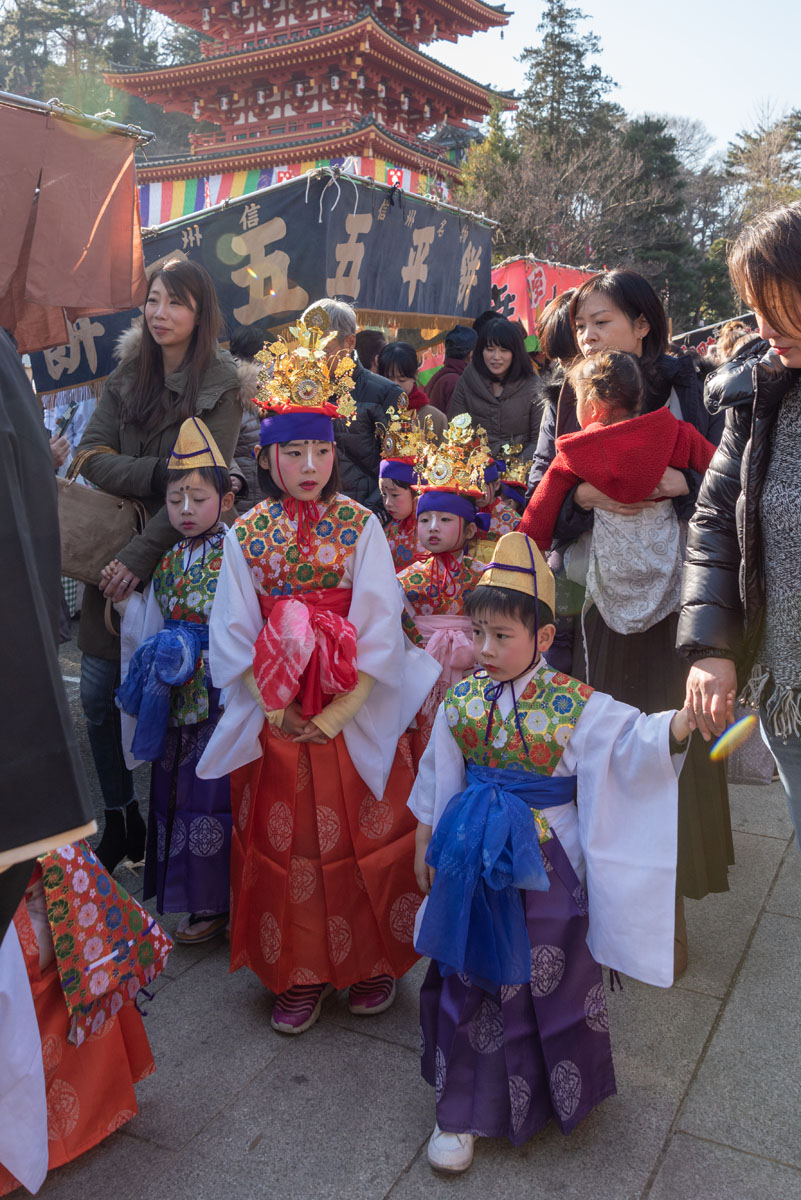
<point>680,950</point>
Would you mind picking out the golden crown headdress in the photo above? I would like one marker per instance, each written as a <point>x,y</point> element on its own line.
<point>457,465</point>
<point>517,467</point>
<point>403,437</point>
<point>303,380</point>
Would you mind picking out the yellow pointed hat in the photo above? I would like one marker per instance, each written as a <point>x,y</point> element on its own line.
<point>517,564</point>
<point>195,447</point>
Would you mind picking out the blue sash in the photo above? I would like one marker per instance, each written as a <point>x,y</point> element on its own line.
<point>165,660</point>
<point>485,849</point>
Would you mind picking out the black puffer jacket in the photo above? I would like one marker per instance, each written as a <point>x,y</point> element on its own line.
<point>358,446</point>
<point>674,373</point>
<point>723,590</point>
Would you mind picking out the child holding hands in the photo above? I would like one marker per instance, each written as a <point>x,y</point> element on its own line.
<point>546,844</point>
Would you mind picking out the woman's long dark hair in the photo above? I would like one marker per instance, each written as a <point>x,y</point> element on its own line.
<point>192,285</point>
<point>500,332</point>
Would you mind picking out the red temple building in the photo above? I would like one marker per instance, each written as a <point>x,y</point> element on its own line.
<point>298,84</point>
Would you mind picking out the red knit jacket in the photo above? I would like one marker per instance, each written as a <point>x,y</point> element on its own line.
<point>625,461</point>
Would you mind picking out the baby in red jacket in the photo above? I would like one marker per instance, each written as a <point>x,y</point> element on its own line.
<point>617,450</point>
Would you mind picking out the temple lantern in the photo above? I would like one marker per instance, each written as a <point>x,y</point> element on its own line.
<point>234,8</point>
<point>361,82</point>
<point>427,110</point>
<point>225,102</point>
<point>205,17</point>
<point>398,10</point>
<point>335,81</point>
<point>381,90</point>
<point>404,101</point>
<point>417,22</point>
<point>263,94</point>
<point>197,107</point>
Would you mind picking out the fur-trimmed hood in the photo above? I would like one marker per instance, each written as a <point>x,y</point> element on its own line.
<point>126,349</point>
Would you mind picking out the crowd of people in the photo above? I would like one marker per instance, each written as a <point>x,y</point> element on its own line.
<point>431,671</point>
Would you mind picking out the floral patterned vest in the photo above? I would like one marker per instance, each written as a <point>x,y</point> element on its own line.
<point>549,708</point>
<point>268,539</point>
<point>404,546</point>
<point>426,598</point>
<point>188,596</point>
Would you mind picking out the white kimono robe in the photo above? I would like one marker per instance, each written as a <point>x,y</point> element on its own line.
<point>23,1103</point>
<point>403,674</point>
<point>620,835</point>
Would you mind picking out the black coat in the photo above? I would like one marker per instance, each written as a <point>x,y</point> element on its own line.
<point>358,444</point>
<point>44,795</point>
<point>674,372</point>
<point>723,590</point>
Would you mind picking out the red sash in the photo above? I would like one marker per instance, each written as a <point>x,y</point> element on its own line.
<point>306,650</point>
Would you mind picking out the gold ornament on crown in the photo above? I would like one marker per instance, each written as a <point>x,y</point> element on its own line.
<point>297,375</point>
<point>457,465</point>
<point>517,467</point>
<point>403,437</point>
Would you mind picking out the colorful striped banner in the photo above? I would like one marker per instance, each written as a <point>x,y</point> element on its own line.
<point>168,199</point>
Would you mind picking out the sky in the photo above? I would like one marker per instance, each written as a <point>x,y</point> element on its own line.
<point>717,63</point>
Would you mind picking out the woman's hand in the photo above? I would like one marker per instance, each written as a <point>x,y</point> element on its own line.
<point>423,873</point>
<point>588,497</point>
<point>59,448</point>
<point>117,581</point>
<point>711,692</point>
<point>672,483</point>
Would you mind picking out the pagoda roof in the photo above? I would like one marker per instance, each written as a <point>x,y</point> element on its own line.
<point>367,134</point>
<point>343,38</point>
<point>480,13</point>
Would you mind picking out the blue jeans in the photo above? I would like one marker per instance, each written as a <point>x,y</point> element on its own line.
<point>100,677</point>
<point>787,756</point>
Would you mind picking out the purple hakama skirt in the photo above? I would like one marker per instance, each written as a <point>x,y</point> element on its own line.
<point>505,1065</point>
<point>188,856</point>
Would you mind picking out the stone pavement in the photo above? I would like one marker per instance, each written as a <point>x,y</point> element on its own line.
<point>708,1075</point>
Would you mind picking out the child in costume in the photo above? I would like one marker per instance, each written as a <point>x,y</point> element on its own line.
<point>634,560</point>
<point>533,781</point>
<point>397,480</point>
<point>320,686</point>
<point>503,516</point>
<point>434,588</point>
<point>88,949</point>
<point>168,688</point>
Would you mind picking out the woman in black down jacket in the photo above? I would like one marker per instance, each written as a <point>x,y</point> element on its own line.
<point>619,310</point>
<point>741,599</point>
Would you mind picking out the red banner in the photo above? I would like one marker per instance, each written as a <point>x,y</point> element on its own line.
<point>523,286</point>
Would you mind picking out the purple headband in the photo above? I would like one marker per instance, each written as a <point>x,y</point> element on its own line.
<point>393,468</point>
<point>296,427</point>
<point>491,471</point>
<point>451,502</point>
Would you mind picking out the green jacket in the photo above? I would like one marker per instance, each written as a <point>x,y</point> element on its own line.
<point>140,452</point>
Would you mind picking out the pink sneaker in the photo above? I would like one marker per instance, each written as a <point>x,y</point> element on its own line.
<point>372,996</point>
<point>297,1009</point>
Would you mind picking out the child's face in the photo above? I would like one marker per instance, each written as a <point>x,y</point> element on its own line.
<point>195,506</point>
<point>490,492</point>
<point>586,407</point>
<point>301,469</point>
<point>405,382</point>
<point>506,647</point>
<point>398,501</point>
<point>443,533</point>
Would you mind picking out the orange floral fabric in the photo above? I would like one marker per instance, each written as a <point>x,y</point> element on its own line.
<point>90,1088</point>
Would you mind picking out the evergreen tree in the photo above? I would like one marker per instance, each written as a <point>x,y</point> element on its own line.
<point>565,101</point>
<point>766,161</point>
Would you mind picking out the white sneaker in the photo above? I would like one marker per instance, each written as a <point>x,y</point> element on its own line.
<point>451,1152</point>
